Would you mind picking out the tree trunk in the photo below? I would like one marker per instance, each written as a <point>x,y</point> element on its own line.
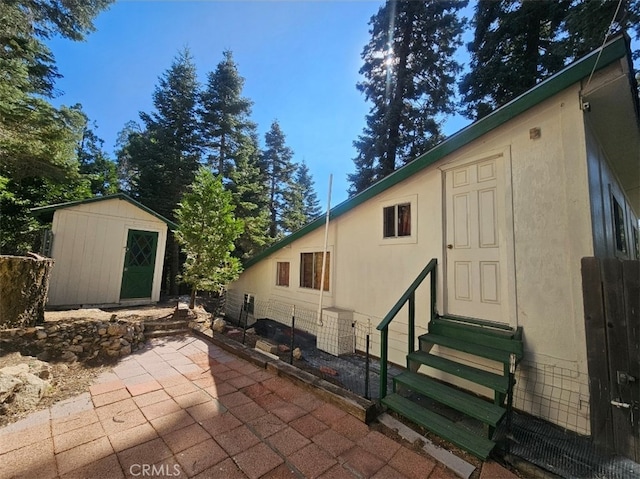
<point>192,303</point>
<point>24,284</point>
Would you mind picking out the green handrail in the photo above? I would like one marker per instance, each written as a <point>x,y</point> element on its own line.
<point>410,296</point>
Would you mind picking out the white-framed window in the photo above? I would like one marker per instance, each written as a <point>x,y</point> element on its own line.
<point>282,273</point>
<point>396,220</point>
<point>311,270</point>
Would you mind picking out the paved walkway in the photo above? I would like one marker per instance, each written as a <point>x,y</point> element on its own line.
<point>184,408</point>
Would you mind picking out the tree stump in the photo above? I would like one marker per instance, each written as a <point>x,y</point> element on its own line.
<point>24,284</point>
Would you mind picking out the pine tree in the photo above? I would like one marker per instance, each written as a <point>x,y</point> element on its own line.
<point>518,44</point>
<point>35,138</point>
<point>166,154</point>
<point>278,167</point>
<point>94,164</point>
<point>225,115</point>
<point>515,45</point>
<point>247,184</point>
<point>207,229</point>
<point>311,205</point>
<point>232,151</point>
<point>409,73</point>
<point>300,201</point>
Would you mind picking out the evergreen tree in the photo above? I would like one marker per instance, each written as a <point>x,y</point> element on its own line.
<point>517,44</point>
<point>278,167</point>
<point>409,73</point>
<point>94,164</point>
<point>166,154</point>
<point>247,184</point>
<point>225,115</point>
<point>301,201</point>
<point>35,138</point>
<point>232,151</point>
<point>207,231</point>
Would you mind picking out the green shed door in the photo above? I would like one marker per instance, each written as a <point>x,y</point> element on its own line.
<point>139,264</point>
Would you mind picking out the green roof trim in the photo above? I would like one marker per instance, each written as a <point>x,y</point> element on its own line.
<point>44,210</point>
<point>614,50</point>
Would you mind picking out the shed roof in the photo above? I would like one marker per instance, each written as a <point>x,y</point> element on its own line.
<point>47,211</point>
<point>614,50</point>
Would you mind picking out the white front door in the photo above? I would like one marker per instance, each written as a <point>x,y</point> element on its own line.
<point>476,235</point>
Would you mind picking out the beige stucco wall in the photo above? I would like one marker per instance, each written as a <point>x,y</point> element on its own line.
<point>547,208</point>
<point>89,242</point>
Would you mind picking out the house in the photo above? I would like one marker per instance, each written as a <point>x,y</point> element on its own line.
<point>108,251</point>
<point>503,211</point>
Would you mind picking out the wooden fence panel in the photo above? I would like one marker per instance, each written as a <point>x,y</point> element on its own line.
<point>611,298</point>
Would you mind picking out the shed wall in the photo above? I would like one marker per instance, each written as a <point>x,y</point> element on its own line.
<point>89,245</point>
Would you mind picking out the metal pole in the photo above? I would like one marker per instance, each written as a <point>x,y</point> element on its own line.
<point>324,251</point>
<point>293,328</point>
<point>366,374</point>
<point>246,317</point>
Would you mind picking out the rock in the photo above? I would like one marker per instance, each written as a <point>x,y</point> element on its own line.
<point>22,368</point>
<point>125,350</point>
<point>68,357</point>
<point>328,370</point>
<point>75,349</point>
<point>218,325</point>
<point>31,391</point>
<point>297,354</point>
<point>265,345</point>
<point>44,355</point>
<point>8,386</point>
<point>283,348</point>
<point>117,330</point>
<point>41,334</point>
<point>23,389</point>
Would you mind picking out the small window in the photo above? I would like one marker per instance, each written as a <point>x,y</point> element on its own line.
<point>618,223</point>
<point>282,274</point>
<point>311,270</point>
<point>397,220</point>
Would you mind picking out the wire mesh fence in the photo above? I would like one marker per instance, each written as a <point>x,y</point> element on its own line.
<point>335,346</point>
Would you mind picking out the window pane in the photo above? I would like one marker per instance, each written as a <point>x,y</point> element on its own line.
<point>326,272</point>
<point>618,220</point>
<point>404,220</point>
<point>282,278</point>
<point>389,220</point>
<point>306,270</point>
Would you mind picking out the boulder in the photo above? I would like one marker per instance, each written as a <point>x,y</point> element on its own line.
<point>218,325</point>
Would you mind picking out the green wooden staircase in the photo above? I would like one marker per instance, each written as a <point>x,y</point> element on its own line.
<point>438,352</point>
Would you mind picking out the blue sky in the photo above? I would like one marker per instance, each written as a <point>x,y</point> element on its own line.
<point>300,61</point>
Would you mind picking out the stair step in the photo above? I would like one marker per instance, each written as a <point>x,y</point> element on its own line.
<point>493,326</point>
<point>478,446</point>
<point>480,350</point>
<point>485,378</point>
<point>466,403</point>
<point>492,338</point>
<point>165,324</point>
<point>165,332</point>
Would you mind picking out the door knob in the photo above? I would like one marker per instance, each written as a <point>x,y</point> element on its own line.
<point>449,246</point>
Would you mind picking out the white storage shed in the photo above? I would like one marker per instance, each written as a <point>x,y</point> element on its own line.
<point>108,251</point>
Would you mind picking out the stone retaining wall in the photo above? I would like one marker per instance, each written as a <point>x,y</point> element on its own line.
<point>70,341</point>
